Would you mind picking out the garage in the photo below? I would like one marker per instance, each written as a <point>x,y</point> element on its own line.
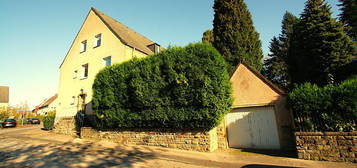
<point>252,127</point>
<point>260,117</point>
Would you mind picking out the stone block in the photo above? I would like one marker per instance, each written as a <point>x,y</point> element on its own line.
<point>353,149</point>
<point>340,137</point>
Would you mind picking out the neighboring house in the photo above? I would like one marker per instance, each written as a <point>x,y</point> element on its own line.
<point>46,106</point>
<point>4,97</point>
<point>260,117</point>
<point>101,41</point>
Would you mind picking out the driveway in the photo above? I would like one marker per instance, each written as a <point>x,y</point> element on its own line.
<point>33,147</point>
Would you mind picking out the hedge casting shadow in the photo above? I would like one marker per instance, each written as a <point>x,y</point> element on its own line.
<point>178,88</point>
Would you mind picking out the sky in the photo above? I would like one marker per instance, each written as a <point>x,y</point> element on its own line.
<point>36,34</point>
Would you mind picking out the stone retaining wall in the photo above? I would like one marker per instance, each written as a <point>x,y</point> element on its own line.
<point>329,146</point>
<point>185,139</point>
<point>66,125</point>
<point>197,140</point>
<point>222,136</point>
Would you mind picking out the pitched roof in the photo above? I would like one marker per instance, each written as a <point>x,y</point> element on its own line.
<point>125,34</point>
<point>4,94</point>
<point>262,77</point>
<point>48,101</point>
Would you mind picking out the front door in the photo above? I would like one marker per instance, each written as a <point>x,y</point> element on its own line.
<point>81,105</point>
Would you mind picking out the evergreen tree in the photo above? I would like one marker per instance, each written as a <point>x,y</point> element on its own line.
<point>275,67</point>
<point>234,34</point>
<point>349,16</point>
<point>207,37</point>
<point>319,46</point>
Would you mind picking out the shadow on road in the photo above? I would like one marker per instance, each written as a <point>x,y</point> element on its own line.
<point>279,153</point>
<point>71,155</point>
<point>265,166</point>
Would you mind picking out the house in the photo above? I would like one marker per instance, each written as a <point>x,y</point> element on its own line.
<point>46,106</point>
<point>4,97</point>
<point>259,117</point>
<point>100,42</point>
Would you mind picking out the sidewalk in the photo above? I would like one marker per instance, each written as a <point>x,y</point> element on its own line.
<point>38,148</point>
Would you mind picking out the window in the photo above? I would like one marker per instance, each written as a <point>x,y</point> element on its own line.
<point>73,100</point>
<point>97,40</point>
<point>83,46</point>
<point>107,61</point>
<point>75,74</point>
<point>84,71</point>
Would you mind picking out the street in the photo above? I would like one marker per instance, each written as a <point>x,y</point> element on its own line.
<point>33,147</point>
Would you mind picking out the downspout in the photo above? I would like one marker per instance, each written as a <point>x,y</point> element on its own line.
<point>132,53</point>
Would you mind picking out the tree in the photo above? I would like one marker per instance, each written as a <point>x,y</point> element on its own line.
<point>207,37</point>
<point>275,67</point>
<point>349,16</point>
<point>319,47</point>
<point>234,34</point>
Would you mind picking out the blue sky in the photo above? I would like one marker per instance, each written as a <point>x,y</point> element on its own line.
<point>36,34</point>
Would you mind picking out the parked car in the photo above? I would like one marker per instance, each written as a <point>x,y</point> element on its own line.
<point>33,121</point>
<point>9,123</point>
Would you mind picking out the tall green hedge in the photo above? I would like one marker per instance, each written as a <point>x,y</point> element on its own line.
<point>330,108</point>
<point>178,88</point>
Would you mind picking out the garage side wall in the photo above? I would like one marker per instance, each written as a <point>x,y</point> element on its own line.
<point>284,121</point>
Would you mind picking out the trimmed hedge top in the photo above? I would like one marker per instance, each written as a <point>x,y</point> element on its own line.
<point>178,88</point>
<point>330,108</point>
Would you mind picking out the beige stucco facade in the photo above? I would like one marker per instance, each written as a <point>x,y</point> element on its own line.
<point>71,85</point>
<point>251,89</point>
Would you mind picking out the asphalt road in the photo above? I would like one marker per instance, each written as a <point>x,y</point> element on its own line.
<point>33,147</point>
<point>16,129</point>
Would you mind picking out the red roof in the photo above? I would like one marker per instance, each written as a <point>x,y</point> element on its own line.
<point>48,101</point>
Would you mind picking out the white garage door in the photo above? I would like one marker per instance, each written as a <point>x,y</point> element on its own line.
<point>253,127</point>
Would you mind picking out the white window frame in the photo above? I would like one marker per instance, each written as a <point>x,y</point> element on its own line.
<point>73,100</point>
<point>83,46</point>
<point>75,74</point>
<point>105,61</point>
<point>84,67</point>
<point>97,38</point>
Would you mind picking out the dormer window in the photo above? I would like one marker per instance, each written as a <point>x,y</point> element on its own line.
<point>83,47</point>
<point>154,47</point>
<point>97,40</point>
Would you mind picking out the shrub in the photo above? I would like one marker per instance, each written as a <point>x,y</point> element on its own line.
<point>178,88</point>
<point>4,114</point>
<point>331,108</point>
<point>49,120</point>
